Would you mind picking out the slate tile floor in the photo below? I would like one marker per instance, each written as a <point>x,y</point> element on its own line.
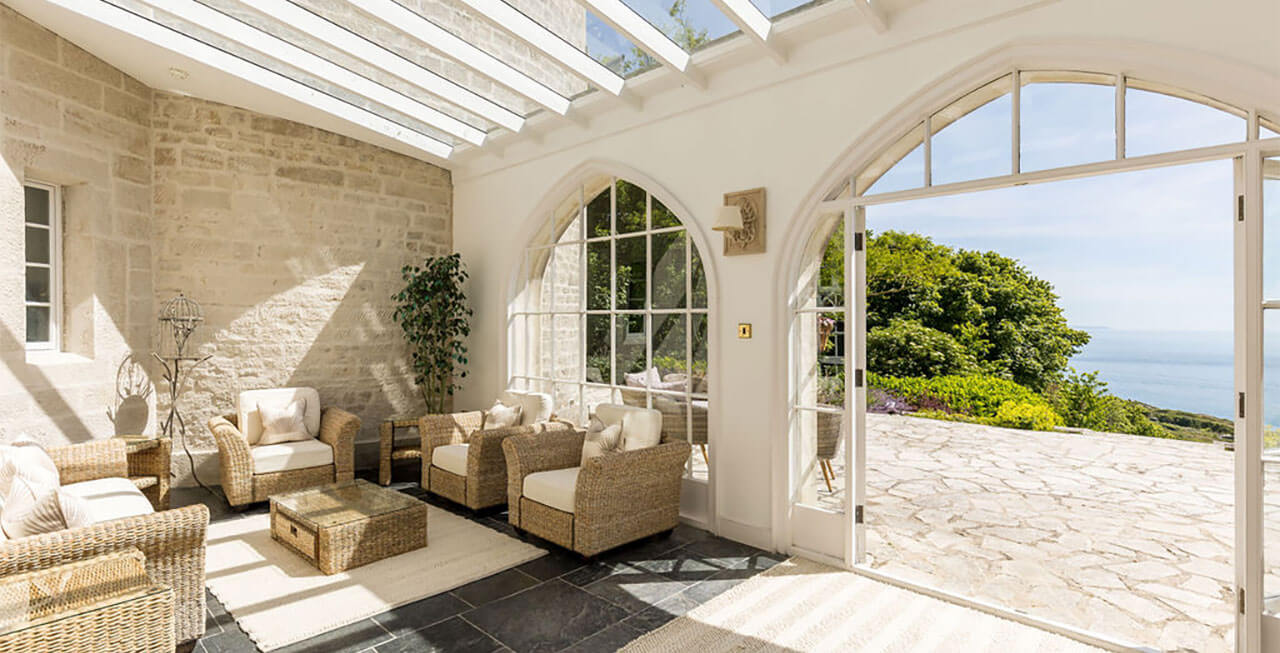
<point>559,602</point>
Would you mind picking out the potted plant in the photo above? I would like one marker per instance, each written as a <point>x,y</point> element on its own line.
<point>433,313</point>
<point>830,395</point>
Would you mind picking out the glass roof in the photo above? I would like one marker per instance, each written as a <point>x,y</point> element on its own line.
<point>774,8</point>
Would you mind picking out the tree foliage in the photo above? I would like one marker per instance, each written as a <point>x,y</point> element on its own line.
<point>432,311</point>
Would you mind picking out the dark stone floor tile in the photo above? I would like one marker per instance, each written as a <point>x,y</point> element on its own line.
<point>683,565</point>
<point>724,553</point>
<point>590,573</point>
<point>705,590</point>
<point>453,634</point>
<point>232,640</point>
<point>686,534</point>
<point>648,548</point>
<point>557,562</point>
<point>420,614</point>
<point>497,586</point>
<point>548,617</point>
<point>634,589</point>
<point>660,614</point>
<point>606,641</point>
<point>211,625</point>
<point>347,639</point>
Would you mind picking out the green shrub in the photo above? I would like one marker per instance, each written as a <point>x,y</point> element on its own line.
<point>975,395</point>
<point>1021,415</point>
<point>1084,402</point>
<point>906,348</point>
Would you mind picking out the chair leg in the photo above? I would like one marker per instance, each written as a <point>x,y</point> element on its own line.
<point>704,454</point>
<point>826,474</point>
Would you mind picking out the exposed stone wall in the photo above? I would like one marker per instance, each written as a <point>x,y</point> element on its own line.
<point>292,238</point>
<point>69,119</point>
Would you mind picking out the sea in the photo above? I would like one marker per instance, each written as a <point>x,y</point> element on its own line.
<point>1184,370</point>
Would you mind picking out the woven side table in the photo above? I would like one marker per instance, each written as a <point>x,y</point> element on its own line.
<point>389,453</point>
<point>149,460</point>
<point>103,603</point>
<point>347,524</point>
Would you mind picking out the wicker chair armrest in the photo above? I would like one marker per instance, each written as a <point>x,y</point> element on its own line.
<point>91,460</point>
<point>338,429</point>
<point>620,484</point>
<point>445,429</point>
<point>531,453</point>
<point>173,542</point>
<point>236,462</point>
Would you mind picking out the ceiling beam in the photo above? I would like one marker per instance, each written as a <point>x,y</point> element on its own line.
<point>549,43</point>
<point>131,24</point>
<point>641,32</point>
<point>754,24</point>
<point>874,14</point>
<point>418,27</point>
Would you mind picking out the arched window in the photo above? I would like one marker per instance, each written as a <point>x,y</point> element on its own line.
<point>612,308</point>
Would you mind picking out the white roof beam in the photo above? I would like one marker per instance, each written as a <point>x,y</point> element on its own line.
<point>874,14</point>
<point>193,49</point>
<point>632,25</point>
<point>424,31</point>
<point>287,53</point>
<point>754,24</point>
<point>549,43</point>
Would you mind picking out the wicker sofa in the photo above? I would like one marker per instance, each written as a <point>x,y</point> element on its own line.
<point>246,478</point>
<point>172,541</point>
<point>610,501</point>
<point>464,463</point>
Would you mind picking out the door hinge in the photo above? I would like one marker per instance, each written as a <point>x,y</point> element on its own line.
<point>1240,599</point>
<point>1239,208</point>
<point>1240,405</point>
<point>857,241</point>
<point>857,514</point>
<point>857,378</point>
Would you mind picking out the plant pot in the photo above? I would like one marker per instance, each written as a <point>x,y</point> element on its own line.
<point>830,428</point>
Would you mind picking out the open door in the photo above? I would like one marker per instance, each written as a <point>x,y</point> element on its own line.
<point>1258,444</point>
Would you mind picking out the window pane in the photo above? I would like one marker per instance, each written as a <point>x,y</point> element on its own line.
<point>668,270</point>
<point>699,280</point>
<point>38,324</point>
<point>1271,228</point>
<point>599,256</point>
<point>566,277</point>
<point>38,284</point>
<point>593,397</point>
<point>598,216</point>
<point>598,349</point>
<point>568,334</point>
<point>631,273</point>
<point>568,402</point>
<point>1156,122</point>
<point>901,167</point>
<point>630,356</point>
<point>662,216</point>
<point>37,245</point>
<point>547,343</point>
<point>569,222</point>
<point>972,138</point>
<point>1066,124</point>
<point>830,291</point>
<point>631,207</point>
<point>698,374</point>
<point>669,356</point>
<point>37,205</point>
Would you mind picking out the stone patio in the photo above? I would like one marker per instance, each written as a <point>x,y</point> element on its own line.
<point>1128,536</point>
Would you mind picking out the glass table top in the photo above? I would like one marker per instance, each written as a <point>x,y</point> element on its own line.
<point>342,503</point>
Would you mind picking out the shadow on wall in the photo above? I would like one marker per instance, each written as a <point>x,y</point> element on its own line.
<point>131,413</point>
<point>42,390</point>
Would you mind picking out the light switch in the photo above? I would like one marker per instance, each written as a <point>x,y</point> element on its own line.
<point>744,330</point>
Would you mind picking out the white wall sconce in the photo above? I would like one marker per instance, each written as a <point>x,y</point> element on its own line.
<point>741,220</point>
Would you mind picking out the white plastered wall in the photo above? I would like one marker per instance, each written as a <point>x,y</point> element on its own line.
<point>794,130</point>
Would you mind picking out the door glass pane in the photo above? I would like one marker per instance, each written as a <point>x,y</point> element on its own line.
<point>630,339</point>
<point>668,269</point>
<point>1271,228</point>
<point>599,257</point>
<point>38,324</point>
<point>819,458</point>
<point>973,138</point>
<point>631,273</point>
<point>598,349</point>
<point>631,207</point>
<point>1271,389</point>
<point>37,205</point>
<point>1066,123</point>
<point>699,280</point>
<point>37,245</point>
<point>598,221</point>
<point>1156,122</point>
<point>38,284</point>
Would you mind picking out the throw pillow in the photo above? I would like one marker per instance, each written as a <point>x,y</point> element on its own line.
<point>25,456</point>
<point>638,430</point>
<point>648,378</point>
<point>501,415</point>
<point>283,423</point>
<point>33,510</point>
<point>601,440</point>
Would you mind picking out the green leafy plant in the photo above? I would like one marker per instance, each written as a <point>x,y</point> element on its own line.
<point>975,395</point>
<point>831,390</point>
<point>1083,401</point>
<point>432,311</point>
<point>1023,415</point>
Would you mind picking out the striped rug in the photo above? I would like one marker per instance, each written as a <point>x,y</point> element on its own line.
<point>805,606</point>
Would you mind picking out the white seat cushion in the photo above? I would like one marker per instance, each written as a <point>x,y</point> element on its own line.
<point>271,458</point>
<point>110,498</point>
<point>554,489</point>
<point>451,458</point>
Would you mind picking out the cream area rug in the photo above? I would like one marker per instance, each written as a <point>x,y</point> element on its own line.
<point>804,606</point>
<point>278,598</point>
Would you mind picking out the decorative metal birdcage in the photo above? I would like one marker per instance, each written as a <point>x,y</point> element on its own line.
<point>179,318</point>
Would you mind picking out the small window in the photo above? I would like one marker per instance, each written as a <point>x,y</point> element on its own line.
<point>43,268</point>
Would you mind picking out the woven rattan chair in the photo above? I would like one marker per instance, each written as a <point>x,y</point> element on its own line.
<point>243,485</point>
<point>172,541</point>
<point>484,484</point>
<point>616,498</point>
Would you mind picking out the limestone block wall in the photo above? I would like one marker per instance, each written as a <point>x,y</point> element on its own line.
<point>292,239</point>
<point>69,119</point>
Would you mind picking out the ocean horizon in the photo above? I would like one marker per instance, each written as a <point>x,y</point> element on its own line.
<point>1183,370</point>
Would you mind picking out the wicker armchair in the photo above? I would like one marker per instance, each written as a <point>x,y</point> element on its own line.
<point>243,485</point>
<point>484,484</point>
<point>617,498</point>
<point>173,541</point>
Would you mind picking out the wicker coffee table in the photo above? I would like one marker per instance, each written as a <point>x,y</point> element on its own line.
<point>347,524</point>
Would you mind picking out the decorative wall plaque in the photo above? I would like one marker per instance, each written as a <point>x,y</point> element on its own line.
<point>751,237</point>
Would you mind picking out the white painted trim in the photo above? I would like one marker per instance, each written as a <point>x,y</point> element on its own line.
<point>55,304</point>
<point>874,14</point>
<point>754,24</point>
<point>642,33</point>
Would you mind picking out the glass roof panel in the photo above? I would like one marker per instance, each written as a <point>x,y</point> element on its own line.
<point>690,23</point>
<point>773,8</point>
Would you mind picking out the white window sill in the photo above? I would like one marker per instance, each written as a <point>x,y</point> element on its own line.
<point>51,357</point>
